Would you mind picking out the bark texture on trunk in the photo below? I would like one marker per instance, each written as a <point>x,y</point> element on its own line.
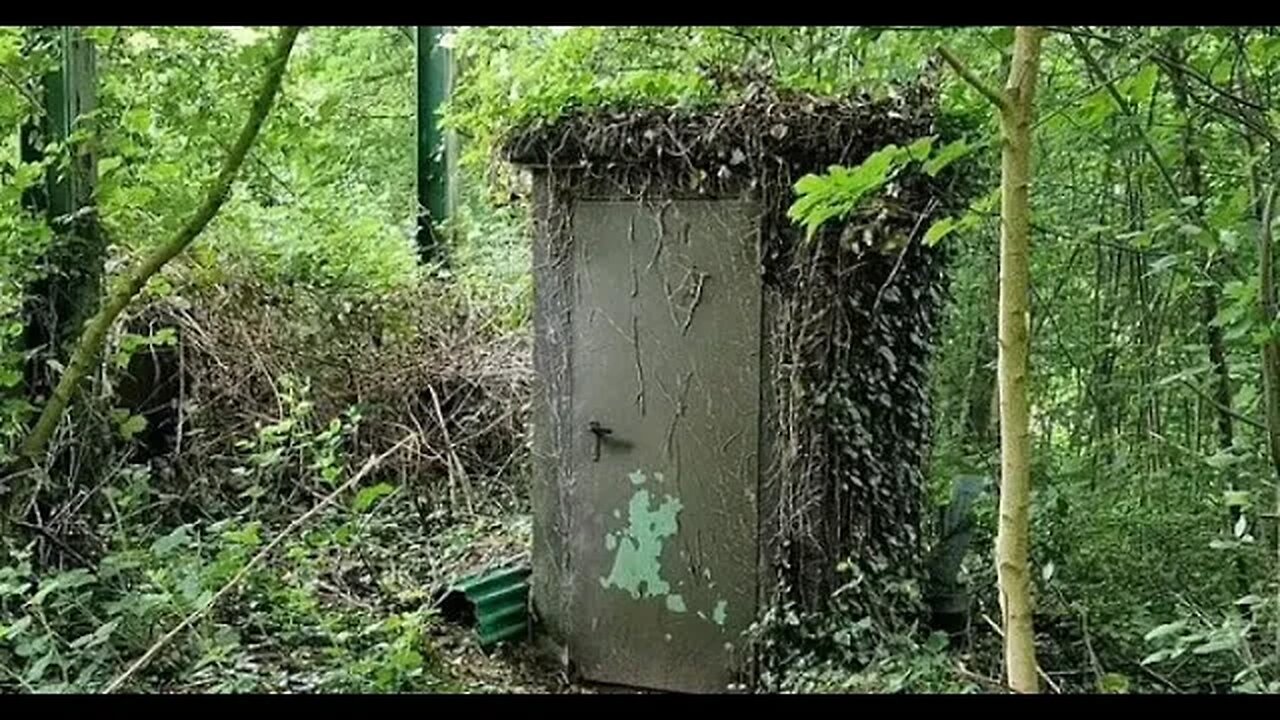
<point>1013,537</point>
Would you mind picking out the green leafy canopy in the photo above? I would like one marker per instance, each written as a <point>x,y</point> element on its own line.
<point>840,191</point>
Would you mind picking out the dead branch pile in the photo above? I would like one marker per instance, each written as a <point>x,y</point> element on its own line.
<point>414,361</point>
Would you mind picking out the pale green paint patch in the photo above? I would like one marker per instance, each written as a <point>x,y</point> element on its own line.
<point>720,614</point>
<point>637,564</point>
<point>637,477</point>
<point>610,541</point>
<point>675,603</point>
<point>617,514</point>
<point>659,477</point>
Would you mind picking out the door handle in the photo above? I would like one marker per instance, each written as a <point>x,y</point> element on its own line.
<point>600,432</point>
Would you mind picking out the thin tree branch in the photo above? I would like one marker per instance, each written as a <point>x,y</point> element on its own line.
<point>89,347</point>
<point>1242,418</point>
<point>151,652</point>
<point>1095,69</point>
<point>1173,64</point>
<point>999,98</point>
<point>1039,670</point>
<point>1069,104</point>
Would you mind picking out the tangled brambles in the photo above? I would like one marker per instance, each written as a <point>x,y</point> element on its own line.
<point>413,360</point>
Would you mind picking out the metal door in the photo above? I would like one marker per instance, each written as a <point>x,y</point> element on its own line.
<point>666,398</point>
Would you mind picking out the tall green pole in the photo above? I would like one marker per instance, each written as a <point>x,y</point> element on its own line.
<point>71,94</point>
<point>434,70</point>
<point>60,302</point>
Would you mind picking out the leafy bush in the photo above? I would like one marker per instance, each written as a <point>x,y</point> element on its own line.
<point>286,623</point>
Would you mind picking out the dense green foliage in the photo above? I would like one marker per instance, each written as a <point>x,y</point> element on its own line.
<point>1154,515</point>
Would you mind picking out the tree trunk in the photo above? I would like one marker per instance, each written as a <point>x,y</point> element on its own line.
<point>1270,348</point>
<point>1271,367</point>
<point>90,343</point>
<point>982,404</point>
<point>1017,107</point>
<point>1193,184</point>
<point>1013,537</point>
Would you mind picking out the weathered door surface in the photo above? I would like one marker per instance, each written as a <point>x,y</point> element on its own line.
<point>666,388</point>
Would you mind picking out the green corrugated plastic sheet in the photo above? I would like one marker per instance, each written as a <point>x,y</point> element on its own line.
<point>500,601</point>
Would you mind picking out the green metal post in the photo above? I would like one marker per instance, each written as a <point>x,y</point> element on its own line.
<point>70,94</point>
<point>434,70</point>
<point>61,302</point>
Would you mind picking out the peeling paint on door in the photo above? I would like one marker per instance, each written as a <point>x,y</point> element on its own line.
<point>720,614</point>
<point>637,566</point>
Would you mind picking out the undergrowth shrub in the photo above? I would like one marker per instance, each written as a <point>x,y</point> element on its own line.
<point>410,360</point>
<point>854,648</point>
<point>242,387</point>
<point>317,615</point>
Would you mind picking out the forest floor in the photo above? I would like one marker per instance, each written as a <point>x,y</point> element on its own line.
<point>466,548</point>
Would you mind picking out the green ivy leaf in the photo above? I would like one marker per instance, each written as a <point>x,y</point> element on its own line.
<point>97,637</point>
<point>1163,264</point>
<point>35,673</point>
<point>366,498</point>
<point>1002,37</point>
<point>1155,657</point>
<point>133,425</point>
<point>811,183</point>
<point>247,536</point>
<point>1096,108</point>
<point>1213,646</point>
<point>1221,74</point>
<point>64,581</point>
<point>27,175</point>
<point>948,154</point>
<point>1139,88</point>
<point>1114,684</point>
<point>939,230</point>
<point>1165,630</point>
<point>10,377</point>
<point>137,121</point>
<point>108,164</point>
<point>920,149</point>
<point>165,337</point>
<point>177,538</point>
<point>10,49</point>
<point>1047,572</point>
<point>16,628</point>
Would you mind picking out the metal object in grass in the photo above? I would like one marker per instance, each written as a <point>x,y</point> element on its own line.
<point>494,602</point>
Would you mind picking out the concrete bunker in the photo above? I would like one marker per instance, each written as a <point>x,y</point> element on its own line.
<point>726,415</point>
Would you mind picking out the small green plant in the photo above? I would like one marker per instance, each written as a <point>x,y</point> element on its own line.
<point>72,630</point>
<point>292,447</point>
<point>1233,636</point>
